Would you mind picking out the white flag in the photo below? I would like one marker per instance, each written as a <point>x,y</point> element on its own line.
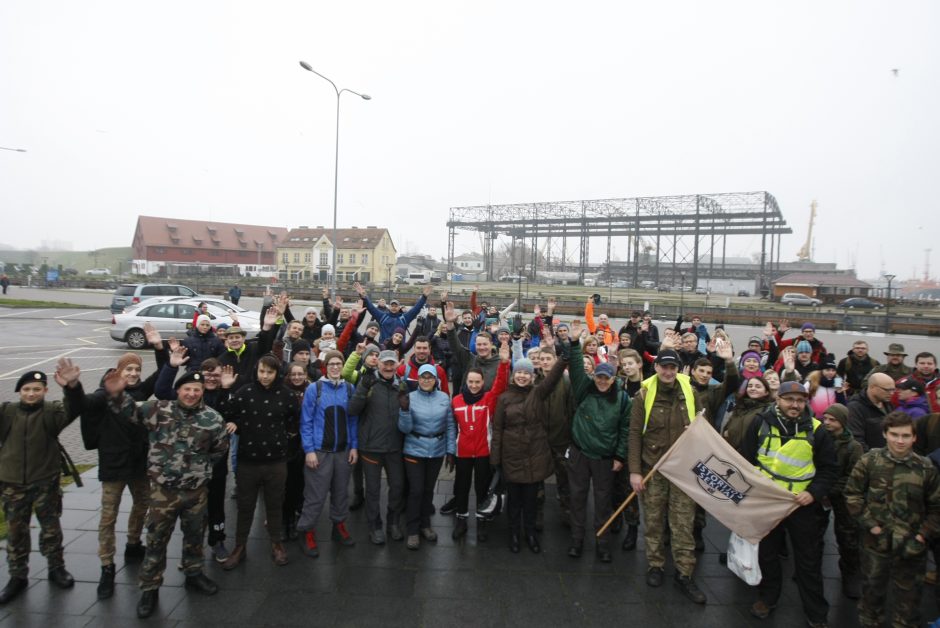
<point>707,469</point>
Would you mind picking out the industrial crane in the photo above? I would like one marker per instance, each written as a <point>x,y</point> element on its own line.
<point>805,254</point>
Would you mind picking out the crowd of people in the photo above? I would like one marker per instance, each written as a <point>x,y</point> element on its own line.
<point>316,408</point>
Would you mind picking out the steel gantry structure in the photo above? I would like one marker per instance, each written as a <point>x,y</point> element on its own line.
<point>676,231</point>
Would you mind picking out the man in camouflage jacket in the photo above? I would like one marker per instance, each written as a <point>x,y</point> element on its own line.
<point>895,495</point>
<point>186,439</point>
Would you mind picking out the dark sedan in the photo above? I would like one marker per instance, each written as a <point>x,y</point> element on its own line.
<point>860,303</point>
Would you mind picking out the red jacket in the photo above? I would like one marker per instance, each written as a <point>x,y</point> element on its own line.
<point>474,422</point>
<point>408,371</point>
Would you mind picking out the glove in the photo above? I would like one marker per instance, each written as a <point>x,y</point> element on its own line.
<point>404,401</point>
<point>367,379</point>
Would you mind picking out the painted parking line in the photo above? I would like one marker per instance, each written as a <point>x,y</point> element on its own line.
<point>83,313</point>
<point>35,364</point>
<point>23,313</point>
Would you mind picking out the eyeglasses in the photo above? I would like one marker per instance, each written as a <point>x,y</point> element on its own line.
<point>334,365</point>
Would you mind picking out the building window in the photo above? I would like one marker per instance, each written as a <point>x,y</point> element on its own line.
<point>187,251</point>
<point>365,259</point>
<point>215,253</point>
<point>243,253</point>
<point>296,258</point>
<point>160,250</point>
<point>365,277</point>
<point>306,258</point>
<point>284,258</point>
<point>339,259</point>
<point>352,258</point>
<point>323,259</point>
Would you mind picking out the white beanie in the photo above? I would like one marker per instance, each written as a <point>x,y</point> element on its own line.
<point>328,329</point>
<point>203,317</point>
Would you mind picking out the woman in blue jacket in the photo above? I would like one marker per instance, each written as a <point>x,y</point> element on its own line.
<point>427,421</point>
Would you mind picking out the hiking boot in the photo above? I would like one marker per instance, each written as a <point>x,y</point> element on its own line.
<point>482,535</point>
<point>14,587</point>
<point>61,578</point>
<point>308,543</point>
<point>341,534</point>
<point>377,537</point>
<point>394,532</point>
<point>235,558</point>
<point>629,539</point>
<point>429,535</point>
<point>761,610</point>
<point>219,552</point>
<point>690,589</point>
<point>654,576</point>
<point>460,529</point>
<point>699,540</point>
<point>413,542</point>
<point>449,507</point>
<point>201,584</point>
<point>147,603</point>
<point>278,554</point>
<point>134,551</point>
<point>106,583</point>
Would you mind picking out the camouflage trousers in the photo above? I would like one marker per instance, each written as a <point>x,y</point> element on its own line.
<point>906,578</point>
<point>662,501</point>
<point>19,502</point>
<point>631,514</point>
<point>166,506</point>
<point>111,493</point>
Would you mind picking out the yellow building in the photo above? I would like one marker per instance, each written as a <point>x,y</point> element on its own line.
<point>366,255</point>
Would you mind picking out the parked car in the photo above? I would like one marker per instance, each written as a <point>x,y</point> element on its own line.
<point>227,306</point>
<point>130,294</point>
<point>702,290</point>
<point>795,298</point>
<point>743,293</point>
<point>664,289</point>
<point>511,278</point>
<point>169,318</point>
<point>862,303</point>
<point>98,271</point>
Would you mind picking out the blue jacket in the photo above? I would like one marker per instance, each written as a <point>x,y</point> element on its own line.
<point>325,423</point>
<point>428,425</point>
<point>388,321</point>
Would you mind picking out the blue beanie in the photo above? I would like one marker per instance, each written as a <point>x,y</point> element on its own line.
<point>804,347</point>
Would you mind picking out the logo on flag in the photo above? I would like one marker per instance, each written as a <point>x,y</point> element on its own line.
<point>721,479</point>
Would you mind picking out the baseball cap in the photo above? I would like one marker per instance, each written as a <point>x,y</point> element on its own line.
<point>388,356</point>
<point>604,370</point>
<point>427,369</point>
<point>791,388</point>
<point>911,384</point>
<point>668,357</point>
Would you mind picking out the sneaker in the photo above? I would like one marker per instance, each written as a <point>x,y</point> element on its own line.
<point>377,537</point>
<point>413,542</point>
<point>341,534</point>
<point>449,507</point>
<point>688,587</point>
<point>761,610</point>
<point>429,535</point>
<point>219,553</point>
<point>308,543</point>
<point>654,576</point>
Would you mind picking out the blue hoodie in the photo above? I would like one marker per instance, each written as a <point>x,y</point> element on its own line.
<point>325,424</point>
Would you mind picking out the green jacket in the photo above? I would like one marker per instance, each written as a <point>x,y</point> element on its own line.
<point>601,423</point>
<point>900,496</point>
<point>29,438</point>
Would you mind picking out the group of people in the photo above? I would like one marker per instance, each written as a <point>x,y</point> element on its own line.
<point>315,403</point>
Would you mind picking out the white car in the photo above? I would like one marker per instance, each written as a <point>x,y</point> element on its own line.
<point>795,298</point>
<point>169,318</point>
<point>98,271</point>
<point>233,310</point>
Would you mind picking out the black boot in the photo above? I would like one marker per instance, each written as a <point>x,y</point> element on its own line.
<point>147,603</point>
<point>460,529</point>
<point>629,539</point>
<point>689,589</point>
<point>14,587</point>
<point>514,543</point>
<point>134,551</point>
<point>61,578</point>
<point>202,584</point>
<point>106,584</point>
<point>533,542</point>
<point>699,540</point>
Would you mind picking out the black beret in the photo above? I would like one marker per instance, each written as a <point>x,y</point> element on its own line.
<point>29,377</point>
<point>192,377</point>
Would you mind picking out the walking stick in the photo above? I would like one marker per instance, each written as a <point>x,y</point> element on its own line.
<point>623,506</point>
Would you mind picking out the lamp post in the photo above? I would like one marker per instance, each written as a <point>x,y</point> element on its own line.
<point>339,92</point>
<point>389,266</point>
<point>890,278</point>
<point>681,291</point>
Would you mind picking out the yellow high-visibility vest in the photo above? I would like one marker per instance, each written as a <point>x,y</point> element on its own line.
<point>788,464</point>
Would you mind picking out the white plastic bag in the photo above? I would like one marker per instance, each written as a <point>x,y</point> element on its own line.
<point>742,560</point>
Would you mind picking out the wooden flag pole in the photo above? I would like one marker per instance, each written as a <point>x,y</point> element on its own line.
<point>623,506</point>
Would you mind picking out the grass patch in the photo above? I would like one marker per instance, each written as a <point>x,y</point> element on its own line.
<point>65,481</point>
<point>23,303</point>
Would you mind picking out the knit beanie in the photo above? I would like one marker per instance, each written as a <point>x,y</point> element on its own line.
<point>369,350</point>
<point>128,358</point>
<point>838,412</point>
<point>201,318</point>
<point>399,330</point>
<point>525,365</point>
<point>310,310</point>
<point>326,356</point>
<point>804,347</point>
<point>327,329</point>
<point>750,354</point>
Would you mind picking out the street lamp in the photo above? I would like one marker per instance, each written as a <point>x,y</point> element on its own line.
<point>890,278</point>
<point>389,266</point>
<point>681,291</point>
<point>339,92</point>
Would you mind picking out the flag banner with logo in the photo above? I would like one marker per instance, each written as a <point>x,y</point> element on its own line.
<point>707,469</point>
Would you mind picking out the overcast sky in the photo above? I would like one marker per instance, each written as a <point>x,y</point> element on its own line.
<point>200,110</point>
